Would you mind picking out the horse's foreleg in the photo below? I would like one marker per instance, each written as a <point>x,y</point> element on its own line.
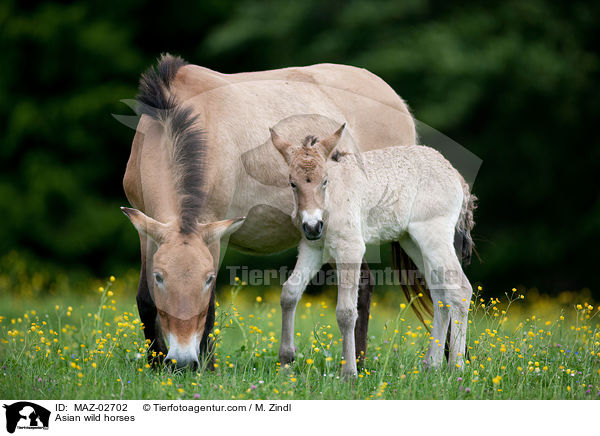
<point>365,291</point>
<point>207,343</point>
<point>148,315</point>
<point>348,261</point>
<point>309,262</point>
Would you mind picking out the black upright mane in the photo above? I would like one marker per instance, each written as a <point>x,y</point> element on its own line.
<point>309,141</point>
<point>156,100</point>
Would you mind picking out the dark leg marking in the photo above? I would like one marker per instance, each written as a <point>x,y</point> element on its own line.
<point>207,344</point>
<point>365,291</point>
<point>147,310</point>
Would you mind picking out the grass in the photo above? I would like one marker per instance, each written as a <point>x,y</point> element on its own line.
<point>91,345</point>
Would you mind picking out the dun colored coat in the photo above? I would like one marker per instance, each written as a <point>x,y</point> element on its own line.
<point>202,159</point>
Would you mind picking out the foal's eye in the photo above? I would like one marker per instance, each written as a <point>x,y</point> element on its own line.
<point>324,183</point>
<point>293,185</point>
<point>159,278</point>
<point>209,279</point>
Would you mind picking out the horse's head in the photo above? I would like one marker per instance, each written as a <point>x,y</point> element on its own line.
<point>181,280</point>
<point>308,177</point>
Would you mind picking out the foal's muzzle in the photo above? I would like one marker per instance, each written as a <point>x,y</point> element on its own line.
<point>313,231</point>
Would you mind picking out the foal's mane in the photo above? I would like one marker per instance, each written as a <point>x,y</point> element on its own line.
<point>156,100</point>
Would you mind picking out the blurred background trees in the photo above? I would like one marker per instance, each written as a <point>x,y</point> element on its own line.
<point>515,82</point>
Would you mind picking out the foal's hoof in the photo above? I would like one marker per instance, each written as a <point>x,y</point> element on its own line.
<point>349,375</point>
<point>286,357</point>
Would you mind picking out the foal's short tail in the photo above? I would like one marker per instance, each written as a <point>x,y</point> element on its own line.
<point>411,285</point>
<point>463,243</point>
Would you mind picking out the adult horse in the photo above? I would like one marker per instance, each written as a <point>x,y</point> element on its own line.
<point>202,153</point>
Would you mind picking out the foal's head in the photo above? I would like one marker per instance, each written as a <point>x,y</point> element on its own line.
<point>182,278</point>
<point>308,176</point>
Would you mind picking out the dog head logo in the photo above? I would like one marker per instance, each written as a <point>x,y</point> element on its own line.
<point>26,415</point>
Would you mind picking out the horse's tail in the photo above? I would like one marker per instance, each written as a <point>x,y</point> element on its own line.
<point>463,242</point>
<point>411,285</point>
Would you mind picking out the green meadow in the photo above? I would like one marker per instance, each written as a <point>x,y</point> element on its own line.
<point>89,344</point>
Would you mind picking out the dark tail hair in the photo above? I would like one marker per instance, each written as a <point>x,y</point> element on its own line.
<point>463,243</point>
<point>421,305</point>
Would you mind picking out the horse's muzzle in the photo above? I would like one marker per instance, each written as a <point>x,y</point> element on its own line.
<point>313,231</point>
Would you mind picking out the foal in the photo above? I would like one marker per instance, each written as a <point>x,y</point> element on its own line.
<point>408,194</point>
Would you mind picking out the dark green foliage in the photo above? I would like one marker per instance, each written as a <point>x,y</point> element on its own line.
<point>515,82</point>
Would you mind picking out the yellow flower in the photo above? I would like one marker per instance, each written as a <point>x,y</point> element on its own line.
<point>259,299</point>
<point>112,278</point>
<point>402,306</point>
<point>497,380</point>
<point>310,361</point>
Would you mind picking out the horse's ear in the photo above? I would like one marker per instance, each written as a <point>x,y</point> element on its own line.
<point>331,141</point>
<point>214,231</point>
<point>155,230</point>
<point>281,145</point>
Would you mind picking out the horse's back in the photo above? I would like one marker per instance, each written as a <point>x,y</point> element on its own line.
<point>372,109</point>
<point>192,80</point>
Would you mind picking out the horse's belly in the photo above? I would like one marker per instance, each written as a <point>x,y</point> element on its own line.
<point>266,230</point>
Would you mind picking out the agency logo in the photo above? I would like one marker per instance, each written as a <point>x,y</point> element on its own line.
<point>26,415</point>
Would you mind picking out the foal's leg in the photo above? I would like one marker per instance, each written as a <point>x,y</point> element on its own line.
<point>459,313</point>
<point>450,291</point>
<point>310,260</point>
<point>348,261</point>
<point>365,290</point>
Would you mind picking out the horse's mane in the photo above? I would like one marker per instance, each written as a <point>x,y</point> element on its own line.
<point>156,100</point>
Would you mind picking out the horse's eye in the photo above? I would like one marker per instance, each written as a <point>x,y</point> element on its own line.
<point>159,278</point>
<point>293,185</point>
<point>209,279</point>
<point>324,182</point>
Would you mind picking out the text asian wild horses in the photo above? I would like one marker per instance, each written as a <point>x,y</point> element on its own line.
<point>202,158</point>
<point>339,210</point>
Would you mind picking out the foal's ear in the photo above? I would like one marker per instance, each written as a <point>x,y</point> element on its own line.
<point>331,141</point>
<point>214,231</point>
<point>281,145</point>
<point>155,230</point>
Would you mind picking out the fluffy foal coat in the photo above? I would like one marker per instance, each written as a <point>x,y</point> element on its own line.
<point>408,194</point>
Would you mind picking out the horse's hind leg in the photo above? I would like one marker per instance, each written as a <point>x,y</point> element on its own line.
<point>450,290</point>
<point>459,314</point>
<point>365,291</point>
